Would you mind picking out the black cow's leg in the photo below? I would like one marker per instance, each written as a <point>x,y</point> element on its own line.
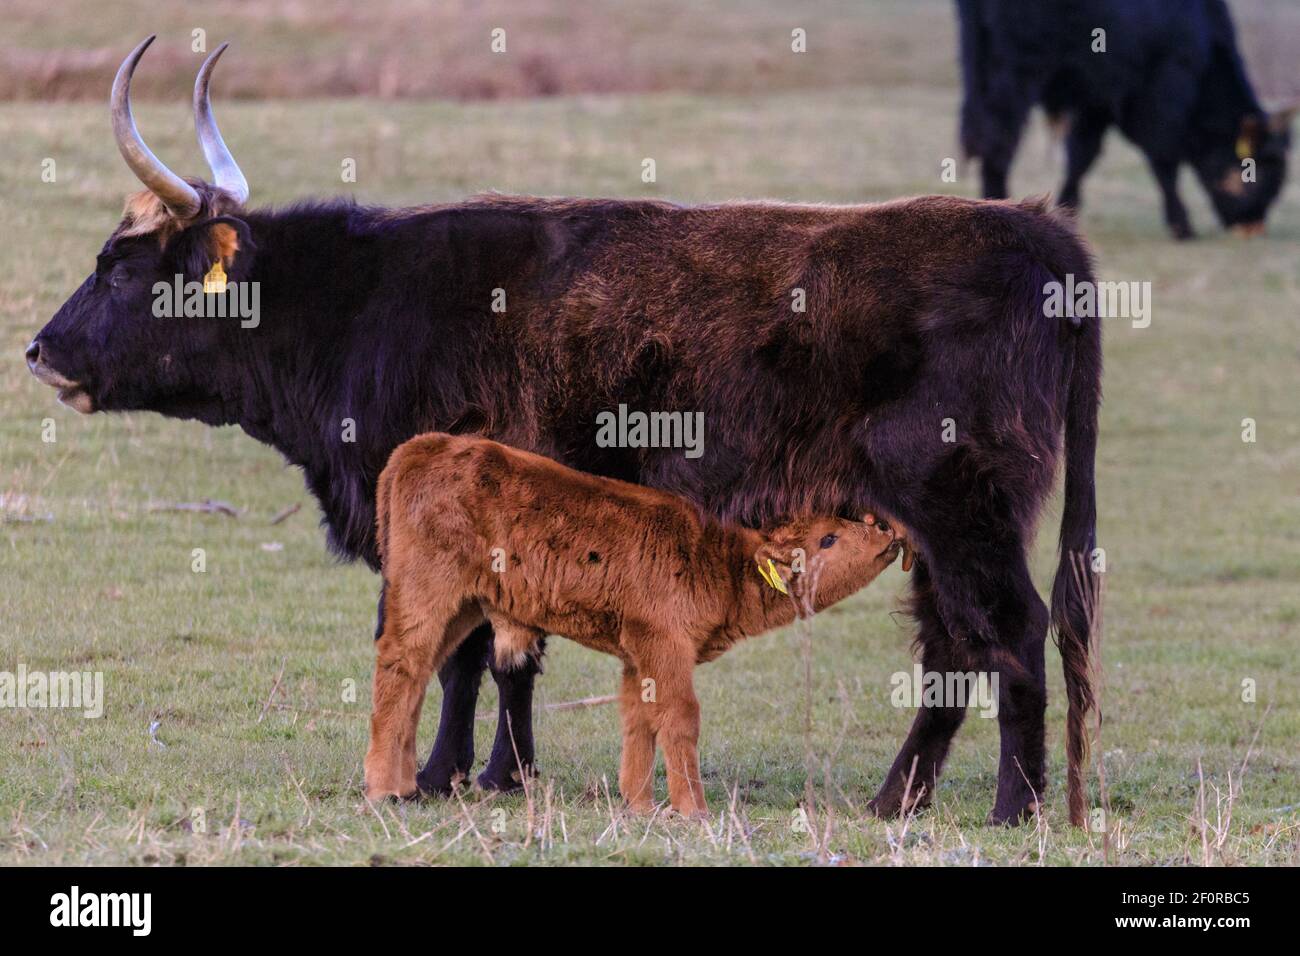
<point>512,751</point>
<point>452,757</point>
<point>1021,620</point>
<point>1082,147</point>
<point>1006,118</point>
<point>980,597</point>
<point>1166,173</point>
<point>933,728</point>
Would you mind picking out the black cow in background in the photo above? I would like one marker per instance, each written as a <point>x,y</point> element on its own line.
<point>1170,78</point>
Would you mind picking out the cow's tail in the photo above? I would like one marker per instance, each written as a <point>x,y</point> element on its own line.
<point>974,67</point>
<point>1074,592</point>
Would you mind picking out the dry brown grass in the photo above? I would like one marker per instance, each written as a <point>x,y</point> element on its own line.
<point>410,48</point>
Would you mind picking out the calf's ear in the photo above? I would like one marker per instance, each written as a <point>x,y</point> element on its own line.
<point>774,567</point>
<point>224,240</point>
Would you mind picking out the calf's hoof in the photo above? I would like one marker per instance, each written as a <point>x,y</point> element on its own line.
<point>395,794</point>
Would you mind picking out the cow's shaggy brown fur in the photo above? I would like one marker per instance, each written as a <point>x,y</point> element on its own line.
<point>473,530</point>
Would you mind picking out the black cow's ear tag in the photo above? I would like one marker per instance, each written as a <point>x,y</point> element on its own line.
<point>214,283</point>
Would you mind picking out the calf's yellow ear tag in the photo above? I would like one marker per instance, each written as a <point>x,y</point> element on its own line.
<point>1243,147</point>
<point>771,576</point>
<point>214,283</point>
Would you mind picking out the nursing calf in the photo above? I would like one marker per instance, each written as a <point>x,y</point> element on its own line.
<point>471,530</point>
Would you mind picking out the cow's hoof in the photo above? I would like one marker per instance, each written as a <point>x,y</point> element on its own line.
<point>884,807</point>
<point>502,780</point>
<point>1013,817</point>
<point>887,806</point>
<point>440,781</point>
<point>1182,231</point>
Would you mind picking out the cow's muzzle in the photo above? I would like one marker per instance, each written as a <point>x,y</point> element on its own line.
<point>70,393</point>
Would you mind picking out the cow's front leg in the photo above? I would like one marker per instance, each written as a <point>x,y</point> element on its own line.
<point>452,757</point>
<point>1166,173</point>
<point>512,752</point>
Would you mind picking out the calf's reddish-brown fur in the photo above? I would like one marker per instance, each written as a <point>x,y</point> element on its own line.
<point>471,530</point>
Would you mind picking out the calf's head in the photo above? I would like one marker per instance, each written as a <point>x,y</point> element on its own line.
<point>820,561</point>
<point>107,348</point>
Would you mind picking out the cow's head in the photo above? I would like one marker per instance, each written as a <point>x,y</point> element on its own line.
<point>106,349</point>
<point>1242,191</point>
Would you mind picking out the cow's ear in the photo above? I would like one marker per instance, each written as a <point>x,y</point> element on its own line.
<point>223,239</point>
<point>1249,135</point>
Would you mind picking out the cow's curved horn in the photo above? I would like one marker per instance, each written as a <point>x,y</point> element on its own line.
<point>225,171</point>
<point>180,198</point>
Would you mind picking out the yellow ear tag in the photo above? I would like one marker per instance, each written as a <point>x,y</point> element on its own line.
<point>214,283</point>
<point>1243,147</point>
<point>775,579</point>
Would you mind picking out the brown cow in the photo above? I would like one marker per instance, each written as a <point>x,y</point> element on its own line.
<point>471,530</point>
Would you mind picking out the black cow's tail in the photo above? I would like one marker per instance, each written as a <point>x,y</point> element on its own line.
<point>974,69</point>
<point>1075,592</point>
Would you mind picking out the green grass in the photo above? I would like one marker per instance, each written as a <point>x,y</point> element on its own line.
<point>1202,534</point>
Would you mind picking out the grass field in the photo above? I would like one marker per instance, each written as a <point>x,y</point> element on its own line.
<point>242,671</point>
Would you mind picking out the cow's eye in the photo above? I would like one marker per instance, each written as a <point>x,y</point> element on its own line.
<point>829,540</point>
<point>118,277</point>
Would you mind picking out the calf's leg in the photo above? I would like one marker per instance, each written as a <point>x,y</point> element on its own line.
<point>675,716</point>
<point>405,657</point>
<point>403,663</point>
<point>637,765</point>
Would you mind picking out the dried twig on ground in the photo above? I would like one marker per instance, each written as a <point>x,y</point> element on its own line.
<point>284,513</point>
<point>206,506</point>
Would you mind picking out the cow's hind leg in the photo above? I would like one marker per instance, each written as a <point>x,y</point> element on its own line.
<point>452,757</point>
<point>512,752</point>
<point>1021,619</point>
<point>981,594</point>
<point>912,778</point>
